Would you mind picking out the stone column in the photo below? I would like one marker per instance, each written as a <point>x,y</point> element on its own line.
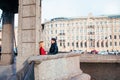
<point>29,29</point>
<point>7,38</point>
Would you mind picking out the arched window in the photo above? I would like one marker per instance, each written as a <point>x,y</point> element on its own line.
<point>77,44</point>
<point>85,44</point>
<point>72,43</point>
<point>98,44</point>
<point>68,44</point>
<point>81,44</point>
<point>106,44</point>
<point>110,43</point>
<point>102,44</point>
<point>115,37</point>
<point>110,37</point>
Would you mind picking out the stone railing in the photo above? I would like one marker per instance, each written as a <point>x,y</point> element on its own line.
<point>58,67</point>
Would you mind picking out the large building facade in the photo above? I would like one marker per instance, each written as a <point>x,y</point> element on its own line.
<point>99,33</point>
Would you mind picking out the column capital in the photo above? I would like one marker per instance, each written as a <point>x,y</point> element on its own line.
<point>7,17</point>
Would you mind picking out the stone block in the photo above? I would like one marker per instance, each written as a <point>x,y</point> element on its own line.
<point>6,59</point>
<point>28,36</point>
<point>28,49</point>
<point>26,2</point>
<point>29,11</point>
<point>28,23</point>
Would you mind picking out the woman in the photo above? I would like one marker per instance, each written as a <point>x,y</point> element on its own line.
<point>41,49</point>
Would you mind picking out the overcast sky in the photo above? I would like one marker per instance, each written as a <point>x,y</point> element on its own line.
<point>76,8</point>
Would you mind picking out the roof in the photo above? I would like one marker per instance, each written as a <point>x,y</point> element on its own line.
<point>82,17</point>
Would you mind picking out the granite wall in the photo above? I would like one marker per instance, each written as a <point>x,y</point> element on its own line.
<point>102,71</point>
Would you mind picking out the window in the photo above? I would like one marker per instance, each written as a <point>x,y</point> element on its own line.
<point>81,30</point>
<point>72,24</point>
<point>85,44</point>
<point>81,44</point>
<point>105,37</point>
<point>115,43</point>
<point>56,31</point>
<point>72,44</point>
<point>76,37</point>
<point>102,44</point>
<point>63,24</point>
<point>106,44</point>
<point>115,37</point>
<point>115,30</point>
<point>56,25</point>
<point>68,24</point>
<point>51,32</point>
<point>110,43</point>
<point>68,44</point>
<point>77,44</point>
<point>64,45</point>
<point>60,25</point>
<point>76,23</point>
<point>97,44</point>
<point>110,37</point>
<point>60,44</point>
<point>51,25</point>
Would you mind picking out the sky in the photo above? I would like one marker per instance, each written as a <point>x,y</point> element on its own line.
<point>76,8</point>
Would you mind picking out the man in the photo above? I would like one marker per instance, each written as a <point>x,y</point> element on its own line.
<point>54,48</point>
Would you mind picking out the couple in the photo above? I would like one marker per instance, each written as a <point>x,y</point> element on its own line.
<point>53,49</point>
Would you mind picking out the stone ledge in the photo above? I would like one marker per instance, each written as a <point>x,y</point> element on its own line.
<point>91,58</point>
<point>39,59</point>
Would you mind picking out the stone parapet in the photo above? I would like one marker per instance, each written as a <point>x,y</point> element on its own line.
<point>91,58</point>
<point>38,59</point>
<point>58,67</point>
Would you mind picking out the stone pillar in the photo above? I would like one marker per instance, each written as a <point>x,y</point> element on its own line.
<point>29,28</point>
<point>7,38</point>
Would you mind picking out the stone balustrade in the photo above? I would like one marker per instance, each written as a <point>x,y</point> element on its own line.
<point>58,67</point>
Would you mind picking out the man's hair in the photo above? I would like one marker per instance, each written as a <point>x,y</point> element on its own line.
<point>53,39</point>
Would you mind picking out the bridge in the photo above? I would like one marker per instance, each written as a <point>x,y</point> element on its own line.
<point>28,29</point>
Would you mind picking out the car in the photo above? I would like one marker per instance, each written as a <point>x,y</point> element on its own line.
<point>94,52</point>
<point>81,51</point>
<point>103,53</point>
<point>116,52</point>
<point>111,52</point>
<point>78,51</point>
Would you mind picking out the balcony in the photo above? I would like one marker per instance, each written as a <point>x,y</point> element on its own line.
<point>91,33</point>
<point>91,26</point>
<point>61,33</point>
